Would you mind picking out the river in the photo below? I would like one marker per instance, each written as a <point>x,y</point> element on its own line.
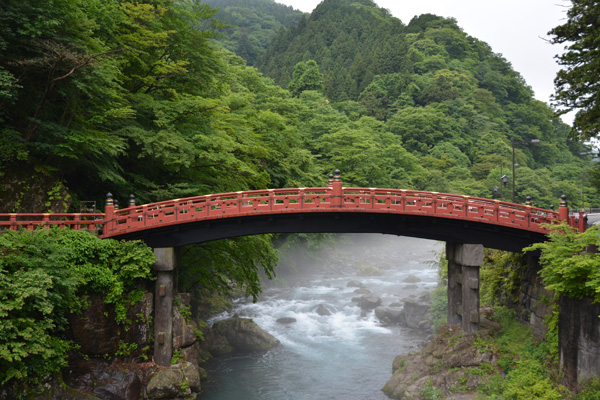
<point>346,355</point>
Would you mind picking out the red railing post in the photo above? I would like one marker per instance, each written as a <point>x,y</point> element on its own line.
<point>337,199</point>
<point>13,222</point>
<point>563,209</point>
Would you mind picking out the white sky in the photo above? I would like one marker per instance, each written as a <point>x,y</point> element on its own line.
<point>514,28</point>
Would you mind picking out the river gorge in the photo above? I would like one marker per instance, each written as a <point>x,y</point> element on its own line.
<point>331,347</point>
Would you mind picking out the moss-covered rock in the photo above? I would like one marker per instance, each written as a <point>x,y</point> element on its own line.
<point>237,335</point>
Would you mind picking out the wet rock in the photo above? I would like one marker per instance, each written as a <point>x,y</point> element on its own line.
<point>237,335</point>
<point>195,354</point>
<point>368,302</point>
<point>325,309</point>
<point>389,316</point>
<point>411,279</point>
<point>354,284</point>
<point>369,270</point>
<point>118,385</point>
<point>362,291</point>
<point>412,286</point>
<point>285,320</point>
<point>415,312</point>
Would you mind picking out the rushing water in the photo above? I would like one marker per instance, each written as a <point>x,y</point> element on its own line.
<point>346,355</point>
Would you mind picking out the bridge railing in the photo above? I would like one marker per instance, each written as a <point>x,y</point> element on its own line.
<point>215,206</point>
<point>30,221</point>
<point>450,206</point>
<point>272,201</point>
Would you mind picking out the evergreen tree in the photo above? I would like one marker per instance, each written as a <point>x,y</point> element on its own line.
<point>578,83</point>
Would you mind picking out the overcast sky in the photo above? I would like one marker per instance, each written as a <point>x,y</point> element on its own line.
<point>517,29</point>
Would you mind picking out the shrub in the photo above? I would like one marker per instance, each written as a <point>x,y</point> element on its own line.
<point>44,276</point>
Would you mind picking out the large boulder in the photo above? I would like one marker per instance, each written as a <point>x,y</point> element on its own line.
<point>324,309</point>
<point>415,313</point>
<point>390,316</point>
<point>176,381</point>
<point>368,302</point>
<point>237,335</point>
<point>411,279</point>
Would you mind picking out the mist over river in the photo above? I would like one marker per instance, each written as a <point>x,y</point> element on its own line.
<point>346,355</point>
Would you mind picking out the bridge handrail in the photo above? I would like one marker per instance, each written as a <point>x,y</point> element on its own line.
<point>77,221</point>
<point>315,199</point>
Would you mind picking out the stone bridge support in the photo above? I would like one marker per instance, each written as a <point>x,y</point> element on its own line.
<point>166,288</point>
<point>464,261</point>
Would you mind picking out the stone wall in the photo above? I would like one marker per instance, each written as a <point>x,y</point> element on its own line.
<point>530,300</point>
<point>579,340</point>
<point>579,322</point>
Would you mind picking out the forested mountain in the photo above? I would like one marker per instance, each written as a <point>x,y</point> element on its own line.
<point>252,25</point>
<point>444,96</point>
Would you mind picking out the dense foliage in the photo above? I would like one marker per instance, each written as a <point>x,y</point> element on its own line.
<point>442,101</point>
<point>252,25</point>
<point>44,276</point>
<point>570,264</point>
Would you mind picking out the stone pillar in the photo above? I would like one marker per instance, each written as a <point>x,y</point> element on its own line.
<point>454,286</point>
<point>166,271</point>
<point>464,261</point>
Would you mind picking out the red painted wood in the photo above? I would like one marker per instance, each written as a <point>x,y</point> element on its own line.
<point>296,200</point>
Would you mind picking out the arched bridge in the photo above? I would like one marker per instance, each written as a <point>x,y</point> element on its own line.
<point>467,224</point>
<point>429,215</point>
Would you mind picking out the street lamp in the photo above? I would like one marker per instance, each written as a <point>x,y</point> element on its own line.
<point>515,143</point>
<point>504,181</point>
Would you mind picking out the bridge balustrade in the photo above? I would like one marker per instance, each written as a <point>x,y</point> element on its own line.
<point>274,201</point>
<point>30,221</point>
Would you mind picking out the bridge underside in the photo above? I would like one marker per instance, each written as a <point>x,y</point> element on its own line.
<point>426,227</point>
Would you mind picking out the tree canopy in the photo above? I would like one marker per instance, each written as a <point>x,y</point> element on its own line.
<point>578,82</point>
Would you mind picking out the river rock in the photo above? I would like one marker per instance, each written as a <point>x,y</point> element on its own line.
<point>176,381</point>
<point>368,302</point>
<point>285,320</point>
<point>411,279</point>
<point>237,335</point>
<point>324,309</point>
<point>389,316</point>
<point>415,312</point>
<point>369,270</point>
<point>362,291</point>
<point>356,284</point>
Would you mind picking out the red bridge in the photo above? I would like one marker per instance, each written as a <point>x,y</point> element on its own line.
<point>334,208</point>
<point>467,224</point>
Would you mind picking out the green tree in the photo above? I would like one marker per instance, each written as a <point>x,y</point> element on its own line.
<point>577,83</point>
<point>306,76</point>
